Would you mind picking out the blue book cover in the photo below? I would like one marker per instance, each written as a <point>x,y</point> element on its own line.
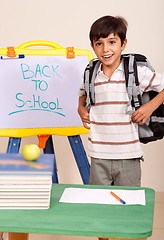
<point>11,163</point>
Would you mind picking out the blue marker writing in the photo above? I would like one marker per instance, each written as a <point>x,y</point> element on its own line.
<point>17,57</point>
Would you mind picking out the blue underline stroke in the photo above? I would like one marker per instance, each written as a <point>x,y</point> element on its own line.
<point>36,110</point>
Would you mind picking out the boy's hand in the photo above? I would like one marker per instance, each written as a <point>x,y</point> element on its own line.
<point>83,111</point>
<point>143,113</point>
<point>84,114</point>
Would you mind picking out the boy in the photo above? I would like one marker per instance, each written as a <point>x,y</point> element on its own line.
<point>113,142</point>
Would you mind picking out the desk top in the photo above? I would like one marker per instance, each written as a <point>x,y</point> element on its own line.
<point>124,221</point>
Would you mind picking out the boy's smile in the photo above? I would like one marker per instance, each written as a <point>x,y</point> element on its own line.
<point>108,50</point>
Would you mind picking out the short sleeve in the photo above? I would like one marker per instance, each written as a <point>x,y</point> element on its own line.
<point>81,91</point>
<point>149,80</point>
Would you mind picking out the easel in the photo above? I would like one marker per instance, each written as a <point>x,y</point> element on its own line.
<point>75,140</point>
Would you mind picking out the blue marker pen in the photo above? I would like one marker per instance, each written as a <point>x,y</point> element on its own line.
<point>118,198</point>
<point>17,57</point>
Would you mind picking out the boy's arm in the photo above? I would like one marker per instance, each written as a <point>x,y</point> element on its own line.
<point>144,112</point>
<point>83,111</point>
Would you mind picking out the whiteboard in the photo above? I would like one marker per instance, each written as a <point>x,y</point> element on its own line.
<point>40,91</point>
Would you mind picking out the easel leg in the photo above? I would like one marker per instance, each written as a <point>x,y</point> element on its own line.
<point>80,157</point>
<point>103,238</point>
<point>49,149</point>
<point>18,236</point>
<point>125,239</point>
<point>13,145</point>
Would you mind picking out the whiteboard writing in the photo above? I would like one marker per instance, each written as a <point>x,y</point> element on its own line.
<point>40,91</point>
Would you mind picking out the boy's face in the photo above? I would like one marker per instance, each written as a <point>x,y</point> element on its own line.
<point>108,50</point>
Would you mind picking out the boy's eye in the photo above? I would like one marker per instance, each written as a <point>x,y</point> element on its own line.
<point>98,44</point>
<point>112,42</point>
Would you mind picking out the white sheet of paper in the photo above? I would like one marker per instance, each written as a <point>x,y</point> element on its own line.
<point>102,196</point>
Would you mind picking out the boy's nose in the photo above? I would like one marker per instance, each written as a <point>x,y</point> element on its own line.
<point>106,47</point>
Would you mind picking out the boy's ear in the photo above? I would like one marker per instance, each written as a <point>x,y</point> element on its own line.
<point>124,44</point>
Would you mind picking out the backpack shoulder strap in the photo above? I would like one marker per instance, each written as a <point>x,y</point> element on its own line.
<point>132,83</point>
<point>89,79</point>
<point>131,61</point>
<point>141,60</point>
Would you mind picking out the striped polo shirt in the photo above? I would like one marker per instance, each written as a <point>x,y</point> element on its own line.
<point>112,133</point>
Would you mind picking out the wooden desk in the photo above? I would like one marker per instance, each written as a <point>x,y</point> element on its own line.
<point>114,221</point>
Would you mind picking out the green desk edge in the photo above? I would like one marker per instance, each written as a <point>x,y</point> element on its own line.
<point>101,220</point>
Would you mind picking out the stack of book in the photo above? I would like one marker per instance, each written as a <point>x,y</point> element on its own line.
<point>24,184</point>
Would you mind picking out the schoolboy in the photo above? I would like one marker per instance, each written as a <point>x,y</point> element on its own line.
<point>113,142</point>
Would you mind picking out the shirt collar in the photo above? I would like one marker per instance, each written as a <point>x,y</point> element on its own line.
<point>120,68</point>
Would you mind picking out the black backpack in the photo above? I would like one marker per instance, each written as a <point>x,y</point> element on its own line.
<point>153,129</point>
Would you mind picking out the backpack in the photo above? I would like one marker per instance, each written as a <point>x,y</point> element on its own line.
<point>153,128</point>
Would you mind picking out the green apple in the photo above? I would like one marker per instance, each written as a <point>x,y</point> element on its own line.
<point>31,152</point>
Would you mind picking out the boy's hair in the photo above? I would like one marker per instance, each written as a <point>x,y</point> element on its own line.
<point>106,25</point>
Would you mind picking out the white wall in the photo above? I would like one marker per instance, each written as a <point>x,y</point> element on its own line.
<point>67,23</point>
